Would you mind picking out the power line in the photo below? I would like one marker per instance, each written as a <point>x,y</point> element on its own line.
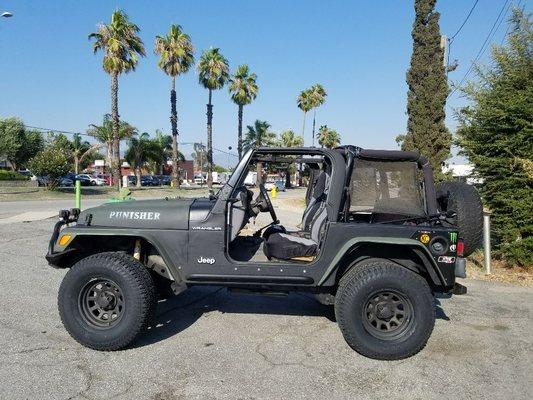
<point>85,134</point>
<point>481,51</point>
<point>464,22</point>
<point>55,130</point>
<point>508,26</point>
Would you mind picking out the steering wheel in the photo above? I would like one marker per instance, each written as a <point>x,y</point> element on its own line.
<point>265,204</point>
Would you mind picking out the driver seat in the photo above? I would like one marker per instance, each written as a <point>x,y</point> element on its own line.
<point>286,245</point>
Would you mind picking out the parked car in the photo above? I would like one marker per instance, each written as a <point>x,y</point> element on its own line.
<point>199,179</point>
<point>278,184</point>
<point>93,179</point>
<point>84,180</point>
<point>164,179</point>
<point>106,178</point>
<point>65,182</point>
<point>149,180</point>
<point>42,180</point>
<point>132,180</point>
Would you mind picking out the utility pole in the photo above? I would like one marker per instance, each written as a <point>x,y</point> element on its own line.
<point>444,46</point>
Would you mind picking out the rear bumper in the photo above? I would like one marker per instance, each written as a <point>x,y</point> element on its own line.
<point>460,267</point>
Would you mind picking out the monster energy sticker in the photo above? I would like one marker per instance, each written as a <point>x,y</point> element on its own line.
<point>453,237</point>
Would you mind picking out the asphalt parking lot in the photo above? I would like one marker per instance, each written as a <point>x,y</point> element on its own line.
<point>209,344</point>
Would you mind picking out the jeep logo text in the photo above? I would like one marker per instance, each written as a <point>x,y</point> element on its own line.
<point>203,260</point>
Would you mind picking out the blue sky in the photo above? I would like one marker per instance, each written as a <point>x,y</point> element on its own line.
<point>359,51</point>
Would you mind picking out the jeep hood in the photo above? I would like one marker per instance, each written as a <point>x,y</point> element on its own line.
<point>140,214</point>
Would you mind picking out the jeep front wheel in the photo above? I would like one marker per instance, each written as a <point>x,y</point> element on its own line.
<point>106,300</point>
<point>384,311</point>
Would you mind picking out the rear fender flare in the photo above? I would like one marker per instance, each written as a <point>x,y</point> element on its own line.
<point>418,248</point>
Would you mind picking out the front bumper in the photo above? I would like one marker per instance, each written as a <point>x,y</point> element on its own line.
<point>53,257</point>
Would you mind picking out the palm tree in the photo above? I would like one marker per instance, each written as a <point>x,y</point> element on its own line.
<point>304,102</point>
<point>259,135</point>
<point>199,157</point>
<point>328,138</point>
<point>318,97</point>
<point>80,149</point>
<point>289,139</point>
<point>121,45</point>
<point>243,89</point>
<point>105,135</point>
<point>141,150</point>
<point>213,73</point>
<point>176,56</point>
<point>164,146</point>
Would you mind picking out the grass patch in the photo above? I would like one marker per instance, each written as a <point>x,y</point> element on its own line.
<point>101,192</point>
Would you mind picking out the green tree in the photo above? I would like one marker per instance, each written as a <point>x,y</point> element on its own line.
<point>428,89</point>
<point>80,151</point>
<point>259,135</point>
<point>52,162</point>
<point>165,150</point>
<point>140,151</point>
<point>18,144</point>
<point>104,134</point>
<point>120,42</point>
<point>176,56</point>
<point>213,73</point>
<point>328,138</point>
<point>243,89</point>
<point>290,139</point>
<point>304,102</point>
<point>496,134</point>
<point>318,97</point>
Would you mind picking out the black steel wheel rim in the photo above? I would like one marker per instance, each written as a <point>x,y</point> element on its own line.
<point>387,314</point>
<point>101,303</point>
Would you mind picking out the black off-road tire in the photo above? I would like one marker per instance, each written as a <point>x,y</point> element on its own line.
<point>134,286</point>
<point>360,286</point>
<point>465,201</point>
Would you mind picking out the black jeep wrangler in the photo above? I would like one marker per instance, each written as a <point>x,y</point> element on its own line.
<point>377,240</point>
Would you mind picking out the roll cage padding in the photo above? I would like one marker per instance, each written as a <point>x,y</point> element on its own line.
<point>338,173</point>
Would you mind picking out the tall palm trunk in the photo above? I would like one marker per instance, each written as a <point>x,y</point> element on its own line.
<point>303,126</point>
<point>138,176</point>
<point>116,140</point>
<point>288,177</point>
<point>110,160</point>
<point>76,163</point>
<point>300,165</point>
<point>313,139</point>
<point>210,142</point>
<point>174,123</point>
<point>239,134</point>
<point>259,170</point>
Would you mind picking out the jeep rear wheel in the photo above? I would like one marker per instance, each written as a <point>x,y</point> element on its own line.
<point>106,300</point>
<point>384,311</point>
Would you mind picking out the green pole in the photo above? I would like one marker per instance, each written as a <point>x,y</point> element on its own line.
<point>78,194</point>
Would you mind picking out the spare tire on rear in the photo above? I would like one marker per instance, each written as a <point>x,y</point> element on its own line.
<point>464,200</point>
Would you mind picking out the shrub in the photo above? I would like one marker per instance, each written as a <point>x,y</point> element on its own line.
<point>12,176</point>
<point>50,162</point>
